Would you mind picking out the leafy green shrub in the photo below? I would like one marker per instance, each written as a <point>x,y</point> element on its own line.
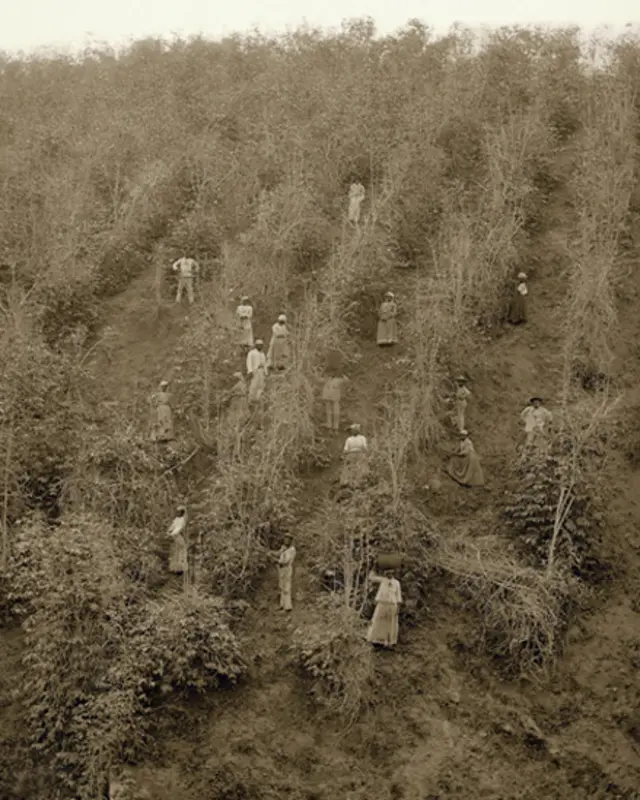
<point>531,510</point>
<point>98,657</point>
<point>334,655</point>
<point>65,307</point>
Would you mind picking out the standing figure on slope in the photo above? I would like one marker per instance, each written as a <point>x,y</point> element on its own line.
<point>285,560</point>
<point>331,396</point>
<point>187,269</point>
<point>537,420</point>
<point>178,563</point>
<point>383,630</point>
<point>244,312</point>
<point>518,304</point>
<point>464,466</point>
<point>356,198</point>
<point>257,371</point>
<point>161,415</point>
<point>461,398</point>
<point>279,353</point>
<point>387,323</point>
<point>354,468</point>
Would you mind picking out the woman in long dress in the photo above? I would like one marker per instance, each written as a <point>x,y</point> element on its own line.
<point>278,352</point>
<point>178,549</point>
<point>285,560</point>
<point>383,629</point>
<point>161,415</point>
<point>244,312</point>
<point>354,467</point>
<point>387,323</point>
<point>461,399</point>
<point>518,305</point>
<point>356,197</point>
<point>465,467</point>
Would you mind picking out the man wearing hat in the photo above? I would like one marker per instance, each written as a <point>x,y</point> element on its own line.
<point>537,420</point>
<point>257,371</point>
<point>187,269</point>
<point>285,560</point>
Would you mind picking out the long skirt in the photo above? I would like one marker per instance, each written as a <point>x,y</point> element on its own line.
<point>256,387</point>
<point>387,331</point>
<point>354,210</point>
<point>163,427</point>
<point>466,470</point>
<point>285,580</point>
<point>354,469</point>
<point>518,310</point>
<point>246,333</point>
<point>384,625</point>
<point>178,555</point>
<point>279,353</point>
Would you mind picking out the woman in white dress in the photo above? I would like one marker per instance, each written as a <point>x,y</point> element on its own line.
<point>354,467</point>
<point>244,312</point>
<point>383,629</point>
<point>279,352</point>
<point>178,550</point>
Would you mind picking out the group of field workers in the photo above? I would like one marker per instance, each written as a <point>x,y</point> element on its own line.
<point>464,465</point>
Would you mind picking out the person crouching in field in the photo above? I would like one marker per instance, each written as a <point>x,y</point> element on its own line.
<point>383,630</point>
<point>387,322</point>
<point>257,371</point>
<point>464,466</point>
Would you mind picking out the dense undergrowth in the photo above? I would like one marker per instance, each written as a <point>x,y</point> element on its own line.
<point>243,160</point>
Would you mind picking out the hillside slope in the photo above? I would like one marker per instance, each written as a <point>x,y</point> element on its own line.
<point>441,723</point>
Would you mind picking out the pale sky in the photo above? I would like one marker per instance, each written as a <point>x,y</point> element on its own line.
<point>63,24</point>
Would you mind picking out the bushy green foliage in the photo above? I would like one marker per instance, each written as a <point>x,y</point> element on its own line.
<point>99,653</point>
<point>334,655</point>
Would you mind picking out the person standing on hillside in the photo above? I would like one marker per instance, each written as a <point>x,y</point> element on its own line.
<point>537,420</point>
<point>461,398</point>
<point>244,312</point>
<point>354,468</point>
<point>464,466</point>
<point>285,559</point>
<point>178,551</point>
<point>187,269</point>
<point>279,352</point>
<point>383,630</point>
<point>518,305</point>
<point>161,415</point>
<point>356,198</point>
<point>331,396</point>
<point>387,323</point>
<point>257,371</point>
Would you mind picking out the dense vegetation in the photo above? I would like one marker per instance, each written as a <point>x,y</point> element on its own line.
<point>240,153</point>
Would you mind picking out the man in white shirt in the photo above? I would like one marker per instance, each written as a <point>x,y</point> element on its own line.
<point>257,371</point>
<point>187,269</point>
<point>537,420</point>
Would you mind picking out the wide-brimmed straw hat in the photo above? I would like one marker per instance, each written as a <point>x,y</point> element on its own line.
<point>244,297</point>
<point>533,399</point>
<point>389,294</point>
<point>354,426</point>
<point>463,433</point>
<point>461,379</point>
<point>163,384</point>
<point>522,276</point>
<point>282,317</point>
<point>259,341</point>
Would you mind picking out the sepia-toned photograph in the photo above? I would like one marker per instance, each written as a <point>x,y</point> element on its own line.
<point>319,386</point>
